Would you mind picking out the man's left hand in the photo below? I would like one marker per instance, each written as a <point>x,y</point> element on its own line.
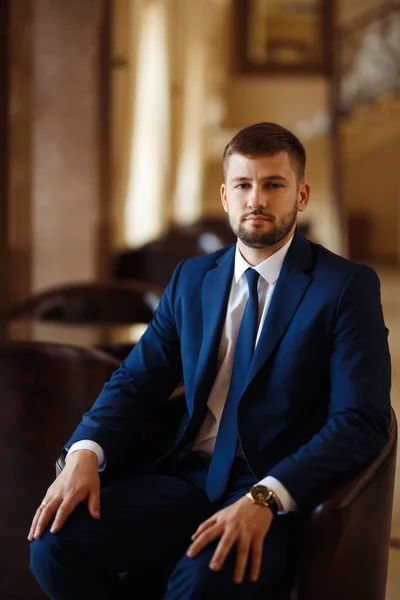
<point>243,523</point>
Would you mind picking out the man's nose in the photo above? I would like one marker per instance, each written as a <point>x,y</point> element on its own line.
<point>256,199</point>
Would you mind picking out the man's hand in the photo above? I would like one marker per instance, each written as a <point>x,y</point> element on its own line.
<point>246,524</point>
<point>78,481</point>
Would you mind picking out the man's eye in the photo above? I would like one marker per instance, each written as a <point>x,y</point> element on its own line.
<point>274,186</point>
<point>242,186</point>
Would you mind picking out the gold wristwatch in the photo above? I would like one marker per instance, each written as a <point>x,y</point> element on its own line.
<point>262,495</point>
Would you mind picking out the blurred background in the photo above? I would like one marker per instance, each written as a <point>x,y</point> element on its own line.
<point>114,115</point>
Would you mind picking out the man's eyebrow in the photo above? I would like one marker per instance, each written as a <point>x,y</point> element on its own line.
<point>267,178</point>
<point>279,177</point>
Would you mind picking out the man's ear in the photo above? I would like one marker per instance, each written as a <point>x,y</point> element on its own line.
<point>224,201</point>
<point>304,196</point>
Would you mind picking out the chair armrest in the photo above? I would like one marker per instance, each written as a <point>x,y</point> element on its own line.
<point>60,464</point>
<point>347,543</point>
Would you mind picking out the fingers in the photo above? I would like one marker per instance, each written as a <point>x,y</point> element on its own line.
<point>245,543</point>
<point>256,558</point>
<point>203,539</point>
<point>42,517</point>
<point>94,503</point>
<point>242,557</point>
<point>241,524</point>
<point>225,545</point>
<point>205,525</point>
<point>75,484</point>
<point>34,523</point>
<point>64,510</point>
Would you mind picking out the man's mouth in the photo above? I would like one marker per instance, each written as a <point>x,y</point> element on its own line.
<point>257,218</point>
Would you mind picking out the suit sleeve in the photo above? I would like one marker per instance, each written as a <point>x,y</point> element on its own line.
<point>358,420</point>
<point>144,380</point>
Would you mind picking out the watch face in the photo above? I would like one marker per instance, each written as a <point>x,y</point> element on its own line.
<point>260,492</point>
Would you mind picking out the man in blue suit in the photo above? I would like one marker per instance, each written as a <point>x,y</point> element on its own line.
<point>283,351</point>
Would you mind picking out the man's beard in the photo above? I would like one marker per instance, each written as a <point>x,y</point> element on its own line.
<point>262,239</point>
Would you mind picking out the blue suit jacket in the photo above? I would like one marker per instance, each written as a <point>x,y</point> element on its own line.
<point>316,402</point>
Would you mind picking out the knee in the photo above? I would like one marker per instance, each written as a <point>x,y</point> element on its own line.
<point>51,554</point>
<point>202,577</point>
<point>54,561</point>
<point>42,552</point>
<point>193,578</point>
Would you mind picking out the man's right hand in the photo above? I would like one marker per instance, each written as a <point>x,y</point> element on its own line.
<point>79,481</point>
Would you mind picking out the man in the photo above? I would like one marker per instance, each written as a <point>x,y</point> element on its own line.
<point>283,351</point>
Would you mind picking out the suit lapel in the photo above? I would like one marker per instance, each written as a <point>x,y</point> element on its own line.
<point>215,295</point>
<point>290,289</point>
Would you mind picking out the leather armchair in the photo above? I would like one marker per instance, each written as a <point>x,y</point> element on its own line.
<point>97,312</point>
<point>114,302</point>
<point>45,388</point>
<point>347,549</point>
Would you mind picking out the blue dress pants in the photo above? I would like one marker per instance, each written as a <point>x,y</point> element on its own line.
<point>146,524</point>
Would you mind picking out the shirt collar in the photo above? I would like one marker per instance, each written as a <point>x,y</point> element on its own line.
<point>269,269</point>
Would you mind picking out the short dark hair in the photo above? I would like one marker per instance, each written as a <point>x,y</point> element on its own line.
<point>267,139</point>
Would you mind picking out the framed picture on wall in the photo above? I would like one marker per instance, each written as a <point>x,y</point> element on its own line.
<point>282,36</point>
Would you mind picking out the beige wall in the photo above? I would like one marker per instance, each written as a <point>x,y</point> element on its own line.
<point>371,183</point>
<point>370,142</point>
<point>21,83</point>
<point>122,92</point>
<point>65,142</point>
<point>287,100</point>
<point>56,212</point>
<point>351,9</point>
<point>5,71</point>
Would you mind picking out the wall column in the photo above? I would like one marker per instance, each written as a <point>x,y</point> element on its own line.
<point>67,136</point>
<point>4,180</point>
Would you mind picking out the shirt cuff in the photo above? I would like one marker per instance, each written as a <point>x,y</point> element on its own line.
<point>279,489</point>
<point>93,447</point>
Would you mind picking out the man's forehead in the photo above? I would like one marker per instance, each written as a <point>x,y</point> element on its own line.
<point>240,165</point>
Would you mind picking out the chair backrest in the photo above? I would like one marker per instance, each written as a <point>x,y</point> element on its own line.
<point>347,549</point>
<point>156,261</point>
<point>45,388</point>
<point>210,234</point>
<point>113,302</point>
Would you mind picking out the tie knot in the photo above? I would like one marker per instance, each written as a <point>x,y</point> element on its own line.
<point>252,279</point>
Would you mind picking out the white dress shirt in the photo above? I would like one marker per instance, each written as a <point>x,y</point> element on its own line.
<point>204,443</point>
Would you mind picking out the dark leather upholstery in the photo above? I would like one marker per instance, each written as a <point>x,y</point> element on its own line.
<point>45,388</point>
<point>96,303</point>
<point>346,556</point>
<point>156,261</point>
